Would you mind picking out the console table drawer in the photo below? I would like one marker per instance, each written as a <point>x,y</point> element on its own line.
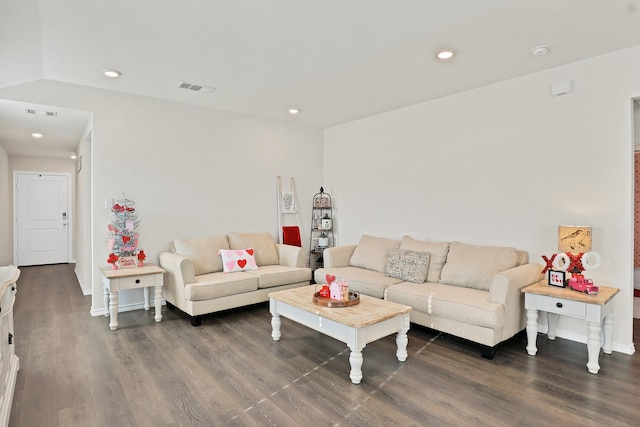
<point>561,306</point>
<point>136,281</point>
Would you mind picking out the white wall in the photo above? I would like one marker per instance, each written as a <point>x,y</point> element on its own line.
<point>504,164</point>
<point>83,223</point>
<point>191,171</point>
<point>6,242</point>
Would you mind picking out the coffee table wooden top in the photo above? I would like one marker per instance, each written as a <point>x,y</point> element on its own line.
<point>370,310</point>
<point>542,288</point>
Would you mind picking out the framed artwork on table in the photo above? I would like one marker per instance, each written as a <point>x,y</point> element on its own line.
<point>557,278</point>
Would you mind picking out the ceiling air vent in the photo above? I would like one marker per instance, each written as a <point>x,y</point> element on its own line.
<point>41,112</point>
<point>196,87</point>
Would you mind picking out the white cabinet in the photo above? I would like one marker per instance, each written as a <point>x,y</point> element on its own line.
<point>9,362</point>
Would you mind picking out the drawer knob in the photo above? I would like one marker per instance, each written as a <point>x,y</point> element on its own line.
<point>137,280</point>
<point>559,304</point>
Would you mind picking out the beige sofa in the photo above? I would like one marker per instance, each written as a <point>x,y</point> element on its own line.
<point>196,283</point>
<point>469,291</point>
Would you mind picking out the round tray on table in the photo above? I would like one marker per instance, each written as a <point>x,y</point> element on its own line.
<point>354,299</point>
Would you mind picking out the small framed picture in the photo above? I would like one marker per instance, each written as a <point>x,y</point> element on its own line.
<point>557,278</point>
<point>322,202</point>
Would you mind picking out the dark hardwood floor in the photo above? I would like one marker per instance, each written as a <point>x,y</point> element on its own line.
<point>74,371</point>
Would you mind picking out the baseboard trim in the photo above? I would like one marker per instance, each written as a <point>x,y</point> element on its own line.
<point>122,308</point>
<point>581,338</point>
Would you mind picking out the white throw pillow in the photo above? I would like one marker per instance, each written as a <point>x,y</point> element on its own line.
<point>238,260</point>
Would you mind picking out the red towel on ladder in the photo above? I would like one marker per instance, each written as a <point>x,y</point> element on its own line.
<point>291,235</point>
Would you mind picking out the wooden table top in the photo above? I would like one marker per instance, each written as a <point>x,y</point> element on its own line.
<point>369,312</point>
<point>603,296</point>
<point>109,273</point>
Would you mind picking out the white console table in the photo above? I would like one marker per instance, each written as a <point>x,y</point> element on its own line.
<point>9,362</point>
<point>596,310</point>
<point>146,277</point>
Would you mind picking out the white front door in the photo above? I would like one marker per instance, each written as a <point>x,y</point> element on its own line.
<point>42,218</point>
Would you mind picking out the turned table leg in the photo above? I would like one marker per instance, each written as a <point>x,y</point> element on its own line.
<point>607,346</point>
<point>593,346</point>
<point>113,310</point>
<point>145,291</point>
<point>355,360</point>
<point>275,325</point>
<point>105,296</point>
<point>402,340</point>
<point>532,331</point>
<point>158,303</point>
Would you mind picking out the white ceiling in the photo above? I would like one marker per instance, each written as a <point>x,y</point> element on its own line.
<point>336,60</point>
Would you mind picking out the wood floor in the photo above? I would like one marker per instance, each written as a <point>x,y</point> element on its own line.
<point>74,371</point>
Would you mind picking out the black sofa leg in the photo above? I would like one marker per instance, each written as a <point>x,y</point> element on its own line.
<point>196,320</point>
<point>488,352</point>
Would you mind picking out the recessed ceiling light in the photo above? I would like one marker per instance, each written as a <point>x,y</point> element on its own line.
<point>294,111</point>
<point>37,135</point>
<point>445,54</point>
<point>114,74</point>
<point>73,156</point>
<point>540,50</point>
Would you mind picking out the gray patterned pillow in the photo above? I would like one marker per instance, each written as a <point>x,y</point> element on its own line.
<point>410,266</point>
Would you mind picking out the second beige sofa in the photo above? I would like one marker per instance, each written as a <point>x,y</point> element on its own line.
<point>196,283</point>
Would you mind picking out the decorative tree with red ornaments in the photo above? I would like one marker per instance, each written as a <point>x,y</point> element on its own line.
<point>123,237</point>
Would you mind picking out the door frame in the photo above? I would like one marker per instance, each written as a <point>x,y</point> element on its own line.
<point>70,218</point>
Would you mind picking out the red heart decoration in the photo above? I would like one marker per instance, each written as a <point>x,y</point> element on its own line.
<point>249,251</point>
<point>242,262</point>
<point>330,278</point>
<point>125,239</point>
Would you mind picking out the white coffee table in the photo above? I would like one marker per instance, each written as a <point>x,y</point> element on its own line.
<point>356,326</point>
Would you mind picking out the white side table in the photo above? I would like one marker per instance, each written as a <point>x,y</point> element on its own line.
<point>145,277</point>
<point>596,310</point>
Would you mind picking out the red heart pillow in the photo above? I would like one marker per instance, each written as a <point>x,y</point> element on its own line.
<point>237,260</point>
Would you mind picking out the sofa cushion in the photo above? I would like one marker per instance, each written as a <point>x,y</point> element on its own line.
<point>202,252</point>
<point>218,285</point>
<point>238,260</point>
<point>475,266</point>
<point>410,266</point>
<point>438,254</point>
<point>368,282</point>
<point>371,253</point>
<point>457,303</point>
<point>276,275</point>
<point>265,249</point>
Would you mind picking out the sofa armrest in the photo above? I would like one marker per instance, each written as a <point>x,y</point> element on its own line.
<point>505,290</point>
<point>179,272</point>
<point>338,256</point>
<point>291,256</point>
